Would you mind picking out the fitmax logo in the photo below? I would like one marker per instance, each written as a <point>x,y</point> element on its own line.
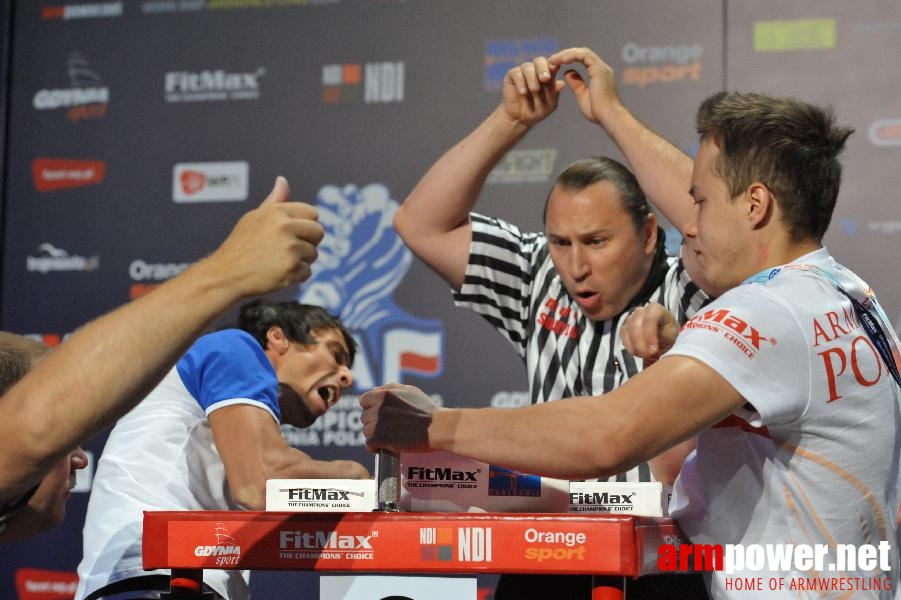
<point>738,331</point>
<point>604,498</point>
<point>322,540</point>
<point>440,474</point>
<point>212,85</point>
<point>317,494</point>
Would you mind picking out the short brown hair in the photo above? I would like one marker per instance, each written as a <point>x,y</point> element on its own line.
<point>790,146</point>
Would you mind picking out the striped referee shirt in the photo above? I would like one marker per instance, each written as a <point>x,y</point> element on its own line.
<point>511,281</point>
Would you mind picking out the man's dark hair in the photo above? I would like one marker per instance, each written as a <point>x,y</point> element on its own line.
<point>790,146</point>
<point>300,322</point>
<point>588,171</point>
<point>17,355</point>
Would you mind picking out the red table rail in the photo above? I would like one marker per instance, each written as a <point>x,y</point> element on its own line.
<point>401,542</point>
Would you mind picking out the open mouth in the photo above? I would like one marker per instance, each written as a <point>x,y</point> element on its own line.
<point>328,394</point>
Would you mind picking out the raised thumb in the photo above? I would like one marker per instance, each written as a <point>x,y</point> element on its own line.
<point>280,192</point>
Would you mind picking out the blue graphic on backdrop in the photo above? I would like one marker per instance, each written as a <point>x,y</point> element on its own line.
<point>849,226</point>
<point>503,55</point>
<point>361,262</point>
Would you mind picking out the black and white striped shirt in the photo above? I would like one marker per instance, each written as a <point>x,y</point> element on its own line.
<point>512,283</point>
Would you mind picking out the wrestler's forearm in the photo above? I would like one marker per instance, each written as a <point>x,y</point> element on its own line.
<point>434,219</point>
<point>593,436</point>
<point>103,370</point>
<point>662,169</point>
<point>448,191</point>
<point>528,439</point>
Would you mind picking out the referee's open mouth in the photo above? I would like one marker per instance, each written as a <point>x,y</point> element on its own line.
<point>587,298</point>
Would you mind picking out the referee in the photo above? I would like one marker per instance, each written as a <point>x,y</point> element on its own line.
<point>561,296</point>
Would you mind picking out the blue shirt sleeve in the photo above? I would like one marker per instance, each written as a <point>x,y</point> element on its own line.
<point>229,367</point>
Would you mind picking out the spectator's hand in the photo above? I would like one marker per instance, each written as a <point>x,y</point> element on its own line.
<point>649,331</point>
<point>272,246</point>
<point>530,91</point>
<point>596,97</point>
<point>397,417</point>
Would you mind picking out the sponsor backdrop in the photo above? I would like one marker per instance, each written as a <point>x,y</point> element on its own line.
<point>140,131</point>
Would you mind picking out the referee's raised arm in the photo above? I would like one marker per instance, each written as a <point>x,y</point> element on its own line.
<point>434,219</point>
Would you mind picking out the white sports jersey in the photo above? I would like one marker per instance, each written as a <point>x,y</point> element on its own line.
<point>813,456</point>
<point>161,456</point>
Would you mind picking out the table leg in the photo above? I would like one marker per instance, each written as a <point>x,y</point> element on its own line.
<point>608,588</point>
<point>186,584</point>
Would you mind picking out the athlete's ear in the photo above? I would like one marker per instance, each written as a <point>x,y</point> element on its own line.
<point>761,204</point>
<point>276,340</point>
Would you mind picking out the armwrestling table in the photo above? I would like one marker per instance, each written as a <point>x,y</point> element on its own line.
<point>405,542</point>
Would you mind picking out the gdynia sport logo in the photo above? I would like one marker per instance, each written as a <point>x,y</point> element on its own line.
<point>757,567</point>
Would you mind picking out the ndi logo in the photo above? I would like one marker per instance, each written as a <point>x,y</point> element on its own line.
<point>436,543</point>
<point>374,83</point>
<point>474,544</point>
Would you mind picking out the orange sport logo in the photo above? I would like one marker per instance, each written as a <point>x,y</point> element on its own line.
<point>661,64</point>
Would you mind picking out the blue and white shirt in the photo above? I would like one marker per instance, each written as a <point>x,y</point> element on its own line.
<point>161,456</point>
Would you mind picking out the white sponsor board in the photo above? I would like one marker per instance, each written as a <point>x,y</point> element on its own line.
<point>320,495</point>
<point>646,499</point>
<point>442,482</point>
<point>210,182</point>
